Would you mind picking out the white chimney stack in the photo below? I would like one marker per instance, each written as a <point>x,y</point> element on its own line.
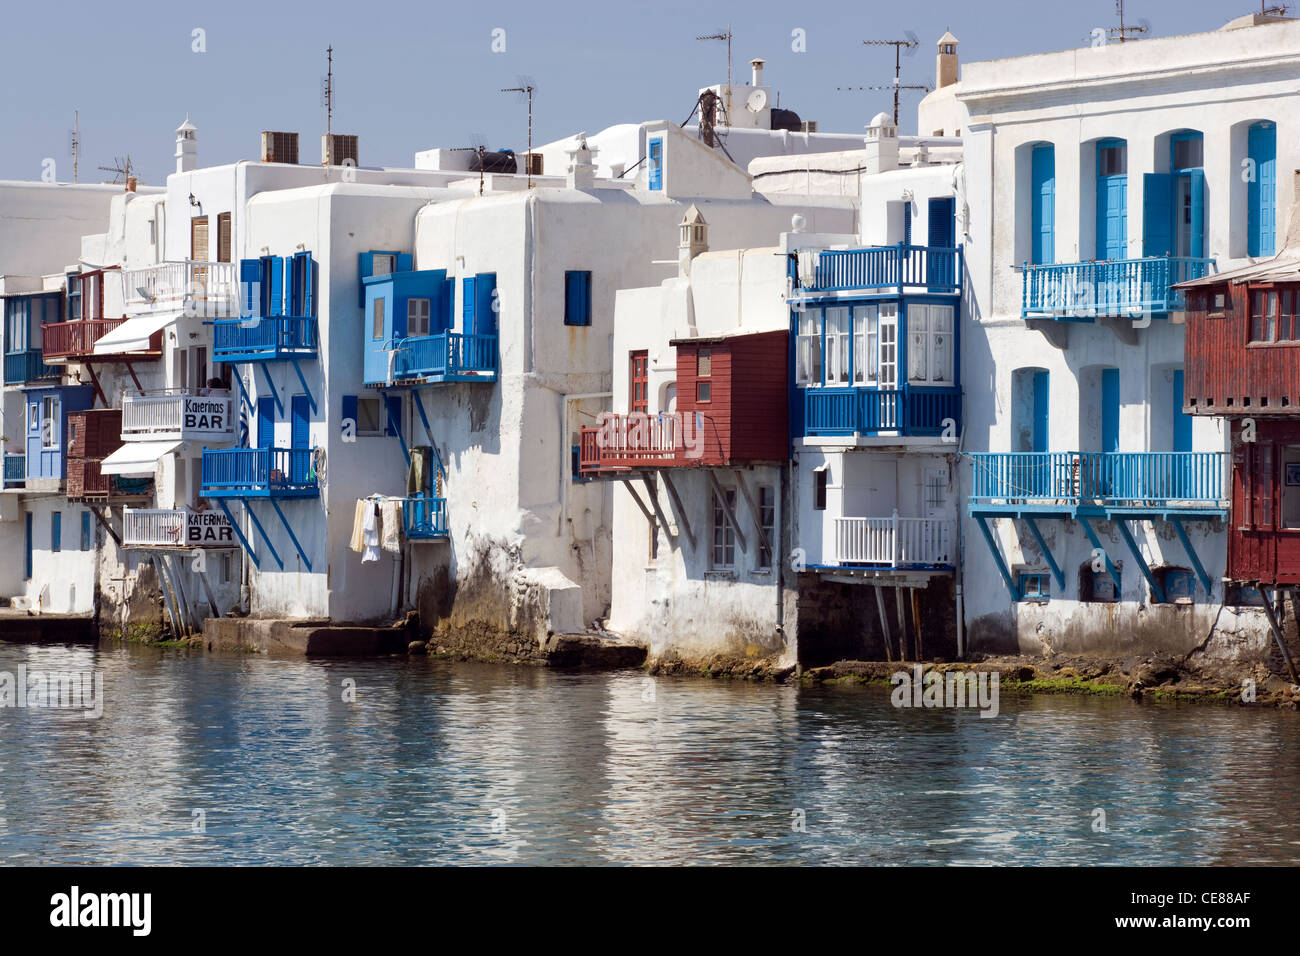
<point>757,66</point>
<point>187,146</point>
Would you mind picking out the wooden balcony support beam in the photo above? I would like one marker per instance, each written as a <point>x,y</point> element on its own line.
<point>683,518</point>
<point>754,513</point>
<point>727,511</point>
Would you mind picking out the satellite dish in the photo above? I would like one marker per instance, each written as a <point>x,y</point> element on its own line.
<point>756,101</point>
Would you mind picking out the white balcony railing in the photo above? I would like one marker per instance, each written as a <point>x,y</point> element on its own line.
<point>177,413</point>
<point>895,542</point>
<point>176,528</point>
<point>209,288</point>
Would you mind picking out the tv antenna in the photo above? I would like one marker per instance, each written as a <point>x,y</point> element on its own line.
<point>724,36</point>
<point>1122,32</point>
<point>909,44</point>
<point>122,167</point>
<point>74,142</point>
<point>1277,10</point>
<point>327,91</point>
<point>526,87</point>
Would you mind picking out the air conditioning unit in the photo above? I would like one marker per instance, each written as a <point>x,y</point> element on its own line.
<point>533,164</point>
<point>336,149</point>
<point>279,147</point>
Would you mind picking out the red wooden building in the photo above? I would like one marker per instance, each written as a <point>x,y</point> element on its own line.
<point>1242,362</point>
<point>731,408</point>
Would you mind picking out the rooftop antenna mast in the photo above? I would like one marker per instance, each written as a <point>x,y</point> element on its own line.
<point>122,167</point>
<point>327,91</point>
<point>526,87</point>
<point>1122,32</point>
<point>74,142</point>
<point>724,36</point>
<point>899,46</point>
<point>1277,10</point>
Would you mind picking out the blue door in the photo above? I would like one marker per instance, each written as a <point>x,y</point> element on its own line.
<point>1182,422</point>
<point>1112,199</point>
<point>1110,410</point>
<point>942,235</point>
<point>299,436</point>
<point>1043,197</point>
<point>1157,214</point>
<point>265,422</point>
<point>1041,392</point>
<point>485,304</point>
<point>1261,201</point>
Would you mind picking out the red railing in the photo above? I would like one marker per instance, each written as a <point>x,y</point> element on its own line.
<point>72,339</point>
<point>641,441</point>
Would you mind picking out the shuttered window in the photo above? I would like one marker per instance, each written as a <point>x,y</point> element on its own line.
<point>577,298</point>
<point>223,237</point>
<point>199,238</point>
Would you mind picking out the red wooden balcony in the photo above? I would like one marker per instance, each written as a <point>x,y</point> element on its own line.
<point>86,481</point>
<point>63,341</point>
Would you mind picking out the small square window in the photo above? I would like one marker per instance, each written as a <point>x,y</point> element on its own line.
<point>417,317</point>
<point>820,481</point>
<point>1218,303</point>
<point>703,391</point>
<point>577,297</point>
<point>377,319</point>
<point>704,363</point>
<point>383,264</point>
<point>1035,586</point>
<point>368,421</point>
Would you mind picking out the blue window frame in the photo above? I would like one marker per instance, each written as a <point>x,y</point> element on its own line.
<point>577,297</point>
<point>1042,196</point>
<point>1034,586</point>
<point>1112,199</point>
<point>85,531</point>
<point>1261,201</point>
<point>56,531</point>
<point>655,159</point>
<point>1179,584</point>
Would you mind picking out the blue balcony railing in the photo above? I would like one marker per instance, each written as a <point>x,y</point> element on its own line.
<point>15,470</point>
<point>1114,479</point>
<point>425,518</point>
<point>1119,288</point>
<point>28,366</point>
<point>908,411</point>
<point>265,338</point>
<point>451,356</point>
<point>260,473</point>
<point>933,268</point>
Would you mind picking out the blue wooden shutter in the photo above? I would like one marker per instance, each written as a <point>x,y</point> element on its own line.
<point>447,319</point>
<point>943,227</point>
<point>485,300</point>
<point>365,268</point>
<point>301,300</point>
<point>1112,204</point>
<point>393,405</point>
<point>1261,209</point>
<point>85,531</point>
<point>907,223</point>
<point>265,422</point>
<point>468,303</point>
<point>1041,394</point>
<point>403,262</point>
<point>1182,422</point>
<point>1110,409</point>
<point>1157,215</point>
<point>350,411</point>
<point>56,531</point>
<point>276,265</point>
<point>1197,185</point>
<point>250,278</point>
<point>299,429</point>
<point>1043,197</point>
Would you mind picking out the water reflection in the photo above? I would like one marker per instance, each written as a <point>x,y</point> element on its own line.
<point>435,763</point>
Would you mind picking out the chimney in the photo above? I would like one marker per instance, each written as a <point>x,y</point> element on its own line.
<point>279,147</point>
<point>694,239</point>
<point>881,145</point>
<point>945,70</point>
<point>757,66</point>
<point>131,183</point>
<point>582,171</point>
<point>339,149</point>
<point>187,146</point>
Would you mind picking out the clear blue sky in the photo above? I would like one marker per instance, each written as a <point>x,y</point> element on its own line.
<point>413,75</point>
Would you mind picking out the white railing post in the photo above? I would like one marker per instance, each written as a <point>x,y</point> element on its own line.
<point>896,553</point>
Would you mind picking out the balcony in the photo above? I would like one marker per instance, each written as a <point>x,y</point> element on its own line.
<point>28,367</point>
<point>910,411</point>
<point>86,481</point>
<point>259,473</point>
<point>1098,481</point>
<point>1116,288</point>
<point>178,414</point>
<point>63,341</point>
<point>626,442</point>
<point>200,288</point>
<point>425,519</point>
<point>176,528</point>
<point>15,471</point>
<point>885,268</point>
<point>896,542</point>
<point>446,357</point>
<point>264,339</point>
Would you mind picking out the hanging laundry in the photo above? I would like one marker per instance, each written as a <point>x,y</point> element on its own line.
<point>391,525</point>
<point>370,529</point>
<point>358,542</point>
<point>417,476</point>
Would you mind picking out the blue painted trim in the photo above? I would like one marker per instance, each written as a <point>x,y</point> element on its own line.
<point>270,384</point>
<point>1156,590</point>
<point>292,537</point>
<point>419,407</point>
<point>396,428</point>
<point>1206,583</point>
<point>262,531</point>
<point>1047,553</point>
<point>998,560</point>
<point>1096,543</point>
<point>306,389</point>
<point>248,548</point>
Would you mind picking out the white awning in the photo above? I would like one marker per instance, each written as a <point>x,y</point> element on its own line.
<point>137,459</point>
<point>133,335</point>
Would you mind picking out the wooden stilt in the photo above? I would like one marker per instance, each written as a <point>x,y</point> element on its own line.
<point>916,625</point>
<point>902,623</point>
<point>1278,636</point>
<point>884,623</point>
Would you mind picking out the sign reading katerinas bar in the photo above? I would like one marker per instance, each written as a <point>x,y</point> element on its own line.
<point>206,415</point>
<point>208,528</point>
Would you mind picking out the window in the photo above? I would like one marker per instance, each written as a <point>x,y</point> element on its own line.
<point>383,264</point>
<point>820,481</point>
<point>1188,151</point>
<point>56,531</point>
<point>767,519</point>
<point>575,465</point>
<point>49,422</point>
<point>1273,315</point>
<point>91,305</point>
<point>1217,305</point>
<point>1242,595</point>
<point>1097,587</point>
<point>377,319</point>
<point>638,365</point>
<point>33,417</point>
<point>74,297</point>
<point>1290,506</point>
<point>417,317</point>
<point>703,369</point>
<point>369,422</point>
<point>1179,584</point>
<point>577,298</point>
<point>866,336</point>
<point>655,169</point>
<point>1035,586</point>
<point>930,347</point>
<point>809,371</point>
<point>837,346</point>
<point>223,237</point>
<point>85,531</point>
<point>724,536</point>
<point>199,239</point>
<point>1112,159</point>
